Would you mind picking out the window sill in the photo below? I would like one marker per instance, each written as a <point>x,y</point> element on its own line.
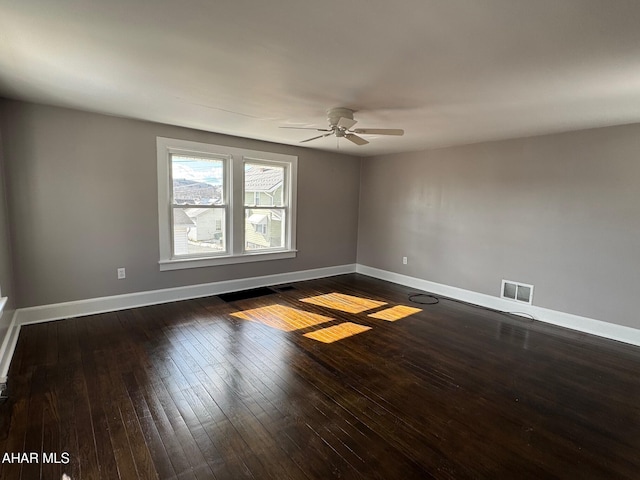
<point>183,263</point>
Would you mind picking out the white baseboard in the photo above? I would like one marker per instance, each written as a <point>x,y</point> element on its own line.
<point>567,320</point>
<point>92,306</point>
<point>7,347</point>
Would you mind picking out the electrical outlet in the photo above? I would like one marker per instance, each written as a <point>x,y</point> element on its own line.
<point>122,273</point>
<point>404,260</point>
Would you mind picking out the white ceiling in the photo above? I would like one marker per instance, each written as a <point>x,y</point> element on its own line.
<point>447,71</point>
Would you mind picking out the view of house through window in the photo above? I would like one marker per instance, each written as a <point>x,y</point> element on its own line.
<point>198,207</point>
<point>263,190</point>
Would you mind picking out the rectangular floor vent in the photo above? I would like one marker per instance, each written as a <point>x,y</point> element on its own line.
<point>519,292</point>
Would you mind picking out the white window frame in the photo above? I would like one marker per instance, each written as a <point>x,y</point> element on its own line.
<point>234,199</point>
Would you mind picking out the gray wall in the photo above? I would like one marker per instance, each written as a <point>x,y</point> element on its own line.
<point>561,212</point>
<point>82,193</point>
<point>6,269</point>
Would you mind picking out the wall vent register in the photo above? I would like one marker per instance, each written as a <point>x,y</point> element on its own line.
<point>516,291</point>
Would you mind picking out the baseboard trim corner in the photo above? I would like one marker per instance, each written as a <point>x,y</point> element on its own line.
<point>587,325</point>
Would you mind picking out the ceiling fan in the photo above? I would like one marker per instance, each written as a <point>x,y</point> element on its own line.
<point>340,122</point>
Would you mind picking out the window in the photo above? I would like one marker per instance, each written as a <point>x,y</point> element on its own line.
<point>269,223</point>
<point>198,203</point>
<point>220,205</point>
<point>261,229</point>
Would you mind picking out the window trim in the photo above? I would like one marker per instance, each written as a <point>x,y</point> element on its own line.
<point>234,191</point>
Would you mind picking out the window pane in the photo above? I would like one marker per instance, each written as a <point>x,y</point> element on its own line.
<point>198,231</point>
<point>264,228</point>
<point>197,181</point>
<point>263,185</point>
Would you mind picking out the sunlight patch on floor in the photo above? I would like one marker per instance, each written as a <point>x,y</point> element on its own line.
<point>283,318</point>
<point>344,303</point>
<point>337,332</point>
<point>394,313</point>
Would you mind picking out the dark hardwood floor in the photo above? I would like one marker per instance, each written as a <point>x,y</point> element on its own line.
<point>187,390</point>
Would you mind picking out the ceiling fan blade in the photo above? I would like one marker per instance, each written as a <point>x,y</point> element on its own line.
<point>346,123</point>
<point>379,131</point>
<point>356,139</point>
<point>315,138</point>
<point>309,128</point>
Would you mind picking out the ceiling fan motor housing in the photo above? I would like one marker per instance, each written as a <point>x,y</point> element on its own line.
<point>335,114</point>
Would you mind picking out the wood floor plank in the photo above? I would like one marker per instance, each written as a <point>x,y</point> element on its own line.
<point>113,399</point>
<point>99,411</point>
<point>33,437</point>
<point>145,466</point>
<point>171,440</point>
<point>196,460</point>
<point>86,459</point>
<point>51,425</point>
<point>160,457</point>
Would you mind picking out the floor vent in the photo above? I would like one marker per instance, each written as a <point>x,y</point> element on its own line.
<point>284,288</point>
<point>246,294</point>
<point>518,292</point>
